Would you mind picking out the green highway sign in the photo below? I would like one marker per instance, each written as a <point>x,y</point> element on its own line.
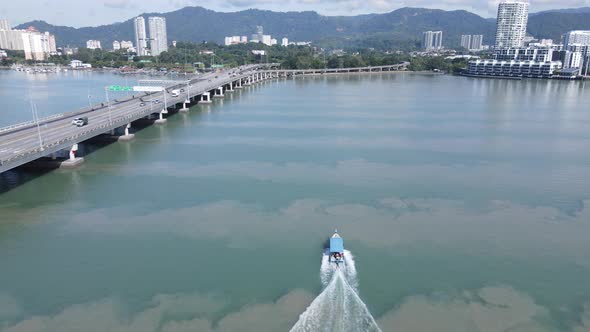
<point>216,66</point>
<point>120,88</point>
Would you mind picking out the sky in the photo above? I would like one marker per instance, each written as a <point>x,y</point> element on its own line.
<point>78,13</point>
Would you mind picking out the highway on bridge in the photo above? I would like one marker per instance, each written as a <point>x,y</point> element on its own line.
<point>22,145</point>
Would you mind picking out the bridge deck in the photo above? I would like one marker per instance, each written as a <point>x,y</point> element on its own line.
<point>20,144</point>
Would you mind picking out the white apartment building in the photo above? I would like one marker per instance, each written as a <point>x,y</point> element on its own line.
<point>126,44</point>
<point>524,54</point>
<point>432,40</point>
<point>572,59</point>
<point>116,45</point>
<point>33,46</point>
<point>514,68</point>
<point>511,23</point>
<point>4,25</point>
<point>472,42</point>
<point>285,42</point>
<point>93,44</point>
<point>140,35</point>
<point>36,45</point>
<point>266,40</point>
<point>466,41</point>
<point>158,36</point>
<point>234,40</point>
<point>576,37</point>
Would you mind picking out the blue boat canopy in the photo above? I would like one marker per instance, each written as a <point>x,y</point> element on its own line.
<point>336,244</point>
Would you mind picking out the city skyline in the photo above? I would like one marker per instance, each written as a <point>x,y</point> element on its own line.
<point>111,11</point>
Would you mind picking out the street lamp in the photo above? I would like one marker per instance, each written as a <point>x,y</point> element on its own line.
<point>36,120</point>
<point>106,90</point>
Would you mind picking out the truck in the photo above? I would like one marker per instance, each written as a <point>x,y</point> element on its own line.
<point>175,93</point>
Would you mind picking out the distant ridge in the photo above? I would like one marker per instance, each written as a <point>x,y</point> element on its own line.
<point>396,29</point>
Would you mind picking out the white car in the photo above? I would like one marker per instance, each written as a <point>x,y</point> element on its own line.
<point>80,122</point>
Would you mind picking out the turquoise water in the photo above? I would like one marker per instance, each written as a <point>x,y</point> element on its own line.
<point>465,203</point>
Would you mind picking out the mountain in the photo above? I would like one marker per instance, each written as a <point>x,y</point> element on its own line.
<point>581,10</point>
<point>554,24</point>
<point>401,28</point>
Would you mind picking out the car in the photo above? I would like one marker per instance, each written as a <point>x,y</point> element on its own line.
<point>156,101</point>
<point>80,122</point>
<point>142,104</point>
<point>181,90</point>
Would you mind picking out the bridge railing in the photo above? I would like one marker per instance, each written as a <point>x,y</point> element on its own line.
<point>30,123</point>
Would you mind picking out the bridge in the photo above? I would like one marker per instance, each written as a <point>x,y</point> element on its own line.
<point>29,141</point>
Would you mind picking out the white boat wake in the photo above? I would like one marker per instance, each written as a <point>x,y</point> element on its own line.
<point>338,307</point>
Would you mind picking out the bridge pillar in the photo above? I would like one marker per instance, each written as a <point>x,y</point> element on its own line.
<point>127,136</point>
<point>230,89</point>
<point>239,84</point>
<point>219,92</point>
<point>205,98</point>
<point>184,107</point>
<point>73,161</point>
<point>161,119</point>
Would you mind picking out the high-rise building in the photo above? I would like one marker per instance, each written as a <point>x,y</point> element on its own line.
<point>33,45</point>
<point>93,44</point>
<point>116,45</point>
<point>11,40</point>
<point>466,41</point>
<point>581,37</point>
<point>259,32</point>
<point>511,23</point>
<point>476,43</point>
<point>285,41</point>
<point>126,44</point>
<point>158,36</point>
<point>140,35</point>
<point>4,25</point>
<point>432,40</point>
<point>266,40</point>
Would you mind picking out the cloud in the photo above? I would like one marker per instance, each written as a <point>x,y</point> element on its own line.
<point>118,4</point>
<point>162,315</point>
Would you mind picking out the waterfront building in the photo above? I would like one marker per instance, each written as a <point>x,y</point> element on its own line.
<point>513,68</point>
<point>511,23</point>
<point>285,42</point>
<point>36,45</point>
<point>33,45</point>
<point>524,54</point>
<point>580,37</point>
<point>432,40</point>
<point>571,59</point>
<point>140,35</point>
<point>93,44</point>
<point>158,36</point>
<point>3,54</point>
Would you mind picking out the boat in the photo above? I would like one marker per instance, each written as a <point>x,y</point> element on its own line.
<point>335,251</point>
